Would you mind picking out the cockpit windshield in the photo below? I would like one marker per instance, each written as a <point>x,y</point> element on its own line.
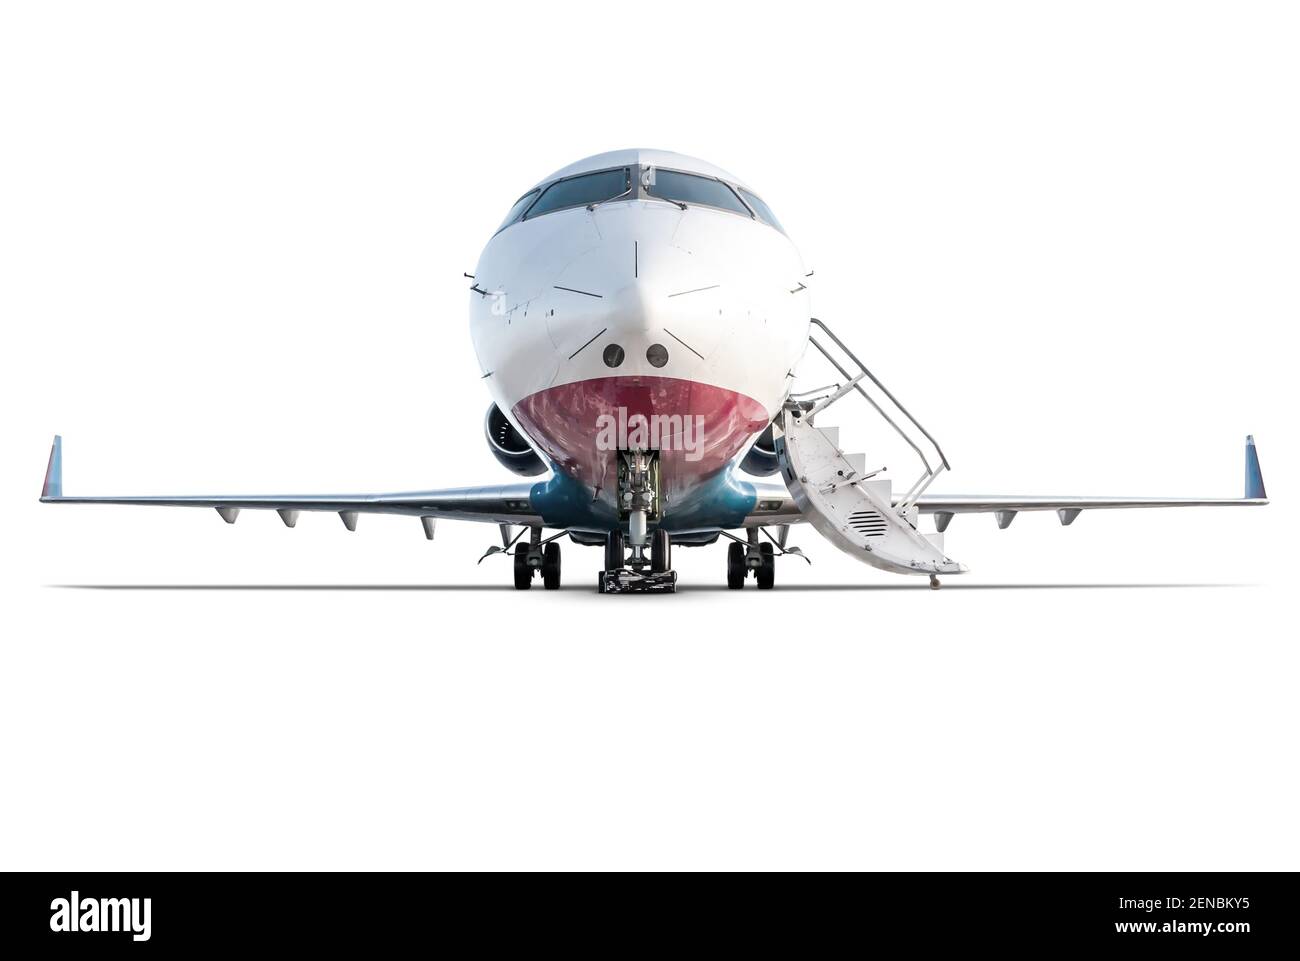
<point>582,190</point>
<point>517,211</point>
<point>675,186</point>
<point>761,210</point>
<point>690,189</point>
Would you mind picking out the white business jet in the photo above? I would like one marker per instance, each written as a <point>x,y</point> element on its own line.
<point>638,318</point>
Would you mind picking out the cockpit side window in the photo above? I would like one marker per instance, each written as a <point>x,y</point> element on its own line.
<point>690,189</point>
<point>761,210</point>
<point>517,211</point>
<point>582,190</point>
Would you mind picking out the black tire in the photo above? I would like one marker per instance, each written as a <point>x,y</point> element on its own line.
<point>735,566</point>
<point>661,552</point>
<point>766,573</point>
<point>523,573</point>
<point>551,566</point>
<point>614,551</point>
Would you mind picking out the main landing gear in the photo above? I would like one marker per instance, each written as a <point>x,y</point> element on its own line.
<point>536,557</point>
<point>752,557</point>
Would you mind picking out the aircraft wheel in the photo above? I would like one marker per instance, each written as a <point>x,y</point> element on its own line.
<point>735,566</point>
<point>614,552</point>
<point>551,566</point>
<point>661,552</point>
<point>523,573</point>
<point>766,573</point>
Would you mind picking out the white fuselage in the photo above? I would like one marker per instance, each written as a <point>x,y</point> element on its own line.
<point>639,307</point>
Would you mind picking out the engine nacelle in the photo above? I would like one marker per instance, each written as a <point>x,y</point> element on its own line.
<point>509,446</point>
<point>761,461</point>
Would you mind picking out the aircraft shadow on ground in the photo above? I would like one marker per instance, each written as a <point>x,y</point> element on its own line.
<point>682,589</point>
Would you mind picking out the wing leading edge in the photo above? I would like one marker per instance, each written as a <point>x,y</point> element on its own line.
<point>944,506</point>
<point>498,504</point>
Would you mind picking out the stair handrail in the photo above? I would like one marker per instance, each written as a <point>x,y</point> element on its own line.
<point>854,383</point>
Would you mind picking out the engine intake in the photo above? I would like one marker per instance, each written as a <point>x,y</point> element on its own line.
<point>761,461</point>
<point>509,446</point>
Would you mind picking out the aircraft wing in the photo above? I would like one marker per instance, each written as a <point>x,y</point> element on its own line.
<point>499,504</point>
<point>944,506</point>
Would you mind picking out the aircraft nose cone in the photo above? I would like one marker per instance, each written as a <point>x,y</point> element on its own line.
<point>653,327</point>
<point>633,308</point>
<point>644,296</point>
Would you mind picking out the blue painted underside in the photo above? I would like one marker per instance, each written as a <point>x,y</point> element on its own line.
<point>720,502</point>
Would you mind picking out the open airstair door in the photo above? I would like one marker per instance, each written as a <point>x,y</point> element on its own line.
<point>853,511</point>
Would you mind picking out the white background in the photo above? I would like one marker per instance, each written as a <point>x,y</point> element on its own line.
<point>231,246</point>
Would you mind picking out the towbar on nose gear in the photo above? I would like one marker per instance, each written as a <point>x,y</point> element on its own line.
<point>638,502</point>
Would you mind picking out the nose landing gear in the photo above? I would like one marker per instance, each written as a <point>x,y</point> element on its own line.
<point>661,552</point>
<point>627,568</point>
<point>625,574</point>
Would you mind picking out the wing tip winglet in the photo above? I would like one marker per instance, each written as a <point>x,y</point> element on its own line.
<point>1254,477</point>
<point>53,486</point>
